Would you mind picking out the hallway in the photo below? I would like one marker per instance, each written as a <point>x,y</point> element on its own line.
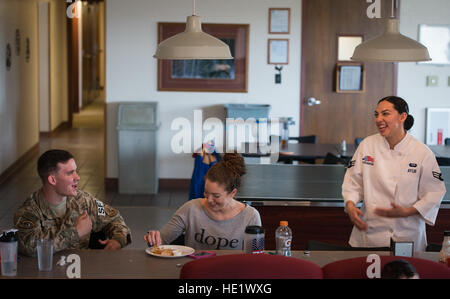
<point>86,143</point>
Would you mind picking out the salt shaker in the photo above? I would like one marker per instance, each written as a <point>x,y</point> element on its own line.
<point>343,146</point>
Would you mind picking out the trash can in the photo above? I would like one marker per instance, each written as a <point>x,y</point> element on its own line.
<point>246,111</point>
<point>137,131</point>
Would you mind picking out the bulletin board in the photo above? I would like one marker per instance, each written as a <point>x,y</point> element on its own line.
<point>438,125</point>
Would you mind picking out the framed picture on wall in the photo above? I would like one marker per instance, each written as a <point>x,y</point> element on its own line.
<point>437,40</point>
<point>278,51</point>
<point>438,126</point>
<point>279,20</point>
<point>225,75</point>
<point>8,57</point>
<point>27,49</point>
<point>350,77</point>
<point>17,40</point>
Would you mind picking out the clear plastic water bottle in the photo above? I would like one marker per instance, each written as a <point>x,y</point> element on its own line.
<point>283,237</point>
<point>445,251</point>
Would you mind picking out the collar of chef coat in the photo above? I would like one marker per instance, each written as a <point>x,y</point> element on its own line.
<point>399,147</point>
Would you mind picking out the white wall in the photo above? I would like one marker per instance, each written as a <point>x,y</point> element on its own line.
<point>19,125</point>
<point>131,71</point>
<point>19,87</point>
<point>412,76</point>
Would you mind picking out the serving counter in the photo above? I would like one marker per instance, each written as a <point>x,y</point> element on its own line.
<point>309,197</point>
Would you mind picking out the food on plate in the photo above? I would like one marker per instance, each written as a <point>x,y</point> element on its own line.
<point>165,251</point>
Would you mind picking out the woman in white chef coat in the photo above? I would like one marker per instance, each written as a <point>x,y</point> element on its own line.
<point>398,180</point>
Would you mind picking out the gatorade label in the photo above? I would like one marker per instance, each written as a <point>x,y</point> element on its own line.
<point>287,242</point>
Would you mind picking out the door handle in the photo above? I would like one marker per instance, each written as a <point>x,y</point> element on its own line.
<point>312,101</point>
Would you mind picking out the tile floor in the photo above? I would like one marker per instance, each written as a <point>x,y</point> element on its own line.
<point>85,142</point>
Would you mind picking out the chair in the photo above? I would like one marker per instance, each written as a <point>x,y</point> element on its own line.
<point>202,164</point>
<point>250,266</point>
<point>322,246</point>
<point>356,268</point>
<point>305,139</point>
<point>178,241</point>
<point>331,159</point>
<point>447,141</point>
<point>358,141</point>
<point>442,161</point>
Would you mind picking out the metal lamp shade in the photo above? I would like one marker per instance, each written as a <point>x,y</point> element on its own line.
<point>193,43</point>
<point>392,46</point>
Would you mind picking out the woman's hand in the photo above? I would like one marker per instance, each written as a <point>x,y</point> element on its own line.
<point>354,214</point>
<point>153,238</point>
<point>396,211</point>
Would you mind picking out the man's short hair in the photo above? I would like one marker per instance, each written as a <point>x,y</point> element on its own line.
<point>398,269</point>
<point>48,162</point>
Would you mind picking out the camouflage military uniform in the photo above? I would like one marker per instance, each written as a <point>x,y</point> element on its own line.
<point>35,220</point>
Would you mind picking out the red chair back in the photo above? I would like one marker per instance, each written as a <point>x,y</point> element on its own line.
<point>357,267</point>
<point>250,266</point>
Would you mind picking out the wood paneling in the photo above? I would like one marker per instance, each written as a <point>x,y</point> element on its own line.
<point>347,115</point>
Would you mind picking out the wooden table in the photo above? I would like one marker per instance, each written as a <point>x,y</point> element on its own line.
<point>315,151</point>
<point>297,151</point>
<point>135,263</point>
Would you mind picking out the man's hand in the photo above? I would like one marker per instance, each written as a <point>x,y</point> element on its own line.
<point>110,244</point>
<point>83,225</point>
<point>396,211</point>
<point>354,214</point>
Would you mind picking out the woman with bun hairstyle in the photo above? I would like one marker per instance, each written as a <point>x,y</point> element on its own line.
<point>397,179</point>
<point>214,222</point>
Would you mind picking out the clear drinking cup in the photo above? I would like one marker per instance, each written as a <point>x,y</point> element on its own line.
<point>8,253</point>
<point>45,254</point>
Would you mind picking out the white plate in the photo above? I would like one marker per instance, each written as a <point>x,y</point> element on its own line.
<point>183,249</point>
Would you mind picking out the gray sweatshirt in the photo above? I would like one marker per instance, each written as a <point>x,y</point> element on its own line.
<point>204,233</point>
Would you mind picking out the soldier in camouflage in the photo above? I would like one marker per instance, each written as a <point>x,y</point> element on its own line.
<point>65,214</point>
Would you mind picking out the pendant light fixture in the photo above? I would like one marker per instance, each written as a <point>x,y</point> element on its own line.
<point>392,46</point>
<point>193,43</point>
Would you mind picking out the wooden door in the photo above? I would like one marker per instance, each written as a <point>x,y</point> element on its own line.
<point>90,44</point>
<point>73,48</point>
<point>340,115</point>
